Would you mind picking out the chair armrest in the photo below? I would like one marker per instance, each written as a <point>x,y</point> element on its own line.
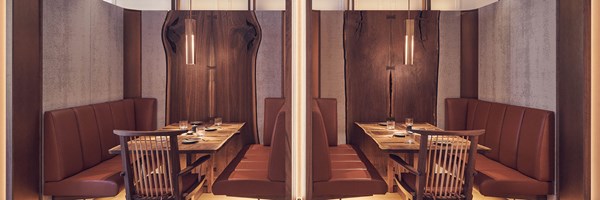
<point>194,164</point>
<point>404,164</point>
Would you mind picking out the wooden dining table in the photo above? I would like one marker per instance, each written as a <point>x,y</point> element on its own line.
<point>377,143</point>
<point>223,144</point>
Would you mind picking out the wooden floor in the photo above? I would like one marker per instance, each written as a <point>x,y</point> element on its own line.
<point>388,196</point>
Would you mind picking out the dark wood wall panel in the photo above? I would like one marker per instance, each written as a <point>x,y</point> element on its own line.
<point>469,54</point>
<point>574,98</point>
<point>237,36</point>
<point>368,85</point>
<point>24,141</point>
<point>415,87</point>
<point>132,54</point>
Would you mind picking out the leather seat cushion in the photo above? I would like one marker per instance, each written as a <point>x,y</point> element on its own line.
<point>101,180</point>
<point>247,176</point>
<point>495,179</point>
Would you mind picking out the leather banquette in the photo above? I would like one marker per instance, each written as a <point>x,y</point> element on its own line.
<point>339,171</point>
<point>258,171</point>
<point>76,144</point>
<point>520,164</point>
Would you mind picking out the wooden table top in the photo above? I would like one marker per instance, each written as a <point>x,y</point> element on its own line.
<point>388,142</point>
<point>209,143</point>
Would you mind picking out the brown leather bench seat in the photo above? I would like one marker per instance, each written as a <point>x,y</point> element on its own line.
<point>258,171</point>
<point>339,171</point>
<point>76,144</point>
<point>521,162</point>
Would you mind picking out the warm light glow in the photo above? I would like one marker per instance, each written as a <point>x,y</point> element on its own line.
<point>299,99</point>
<point>409,42</point>
<point>595,102</point>
<point>190,51</point>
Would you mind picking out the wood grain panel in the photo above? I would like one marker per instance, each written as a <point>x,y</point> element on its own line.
<point>415,87</point>
<point>24,141</point>
<point>132,54</point>
<point>237,36</point>
<point>368,85</point>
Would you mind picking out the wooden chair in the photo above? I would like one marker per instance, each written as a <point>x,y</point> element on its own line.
<point>445,168</point>
<point>151,163</point>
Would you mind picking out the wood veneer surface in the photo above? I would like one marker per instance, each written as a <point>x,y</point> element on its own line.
<point>366,44</point>
<point>237,36</point>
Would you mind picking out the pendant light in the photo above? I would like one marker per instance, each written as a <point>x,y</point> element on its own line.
<point>190,29</point>
<point>409,39</point>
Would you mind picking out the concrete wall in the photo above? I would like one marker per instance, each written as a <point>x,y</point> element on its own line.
<point>82,53</point>
<point>269,63</point>
<point>517,53</point>
<point>449,67</point>
<point>332,65</point>
<point>154,63</point>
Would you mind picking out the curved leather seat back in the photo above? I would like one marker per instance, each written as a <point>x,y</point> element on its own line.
<point>273,107</point>
<point>328,109</point>
<point>280,150</point>
<point>520,138</point>
<point>321,163</point>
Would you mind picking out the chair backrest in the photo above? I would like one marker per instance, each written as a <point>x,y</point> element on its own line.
<point>151,163</point>
<point>446,163</point>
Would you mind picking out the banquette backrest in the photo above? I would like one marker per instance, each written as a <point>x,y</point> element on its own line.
<point>520,138</point>
<point>78,138</point>
<point>328,109</point>
<point>273,107</point>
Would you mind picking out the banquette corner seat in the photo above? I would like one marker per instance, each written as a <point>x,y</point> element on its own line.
<point>339,171</point>
<point>258,171</point>
<point>76,144</point>
<point>520,164</point>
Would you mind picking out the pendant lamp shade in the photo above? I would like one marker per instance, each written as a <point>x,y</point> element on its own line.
<point>409,42</point>
<point>190,51</point>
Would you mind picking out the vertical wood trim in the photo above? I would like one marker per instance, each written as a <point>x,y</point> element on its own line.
<point>595,101</point>
<point>315,39</point>
<point>469,54</point>
<point>573,98</point>
<point>132,54</point>
<point>24,142</point>
<point>287,87</point>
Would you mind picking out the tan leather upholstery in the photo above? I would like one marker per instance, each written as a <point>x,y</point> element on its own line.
<point>272,108</point>
<point>339,171</point>
<point>258,171</point>
<point>522,146</point>
<point>328,109</point>
<point>76,144</point>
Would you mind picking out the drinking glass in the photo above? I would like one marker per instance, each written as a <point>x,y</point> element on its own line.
<point>183,124</point>
<point>390,124</point>
<point>218,121</point>
<point>408,122</point>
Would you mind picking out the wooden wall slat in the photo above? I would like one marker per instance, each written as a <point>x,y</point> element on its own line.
<point>469,54</point>
<point>132,54</point>
<point>237,36</point>
<point>25,141</point>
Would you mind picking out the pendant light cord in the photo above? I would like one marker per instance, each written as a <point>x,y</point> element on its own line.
<point>190,16</point>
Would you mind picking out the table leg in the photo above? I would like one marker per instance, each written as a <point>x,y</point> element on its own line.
<point>211,173</point>
<point>390,175</point>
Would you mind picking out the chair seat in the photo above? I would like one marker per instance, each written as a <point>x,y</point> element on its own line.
<point>101,180</point>
<point>495,179</point>
<point>247,176</point>
<point>410,180</point>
